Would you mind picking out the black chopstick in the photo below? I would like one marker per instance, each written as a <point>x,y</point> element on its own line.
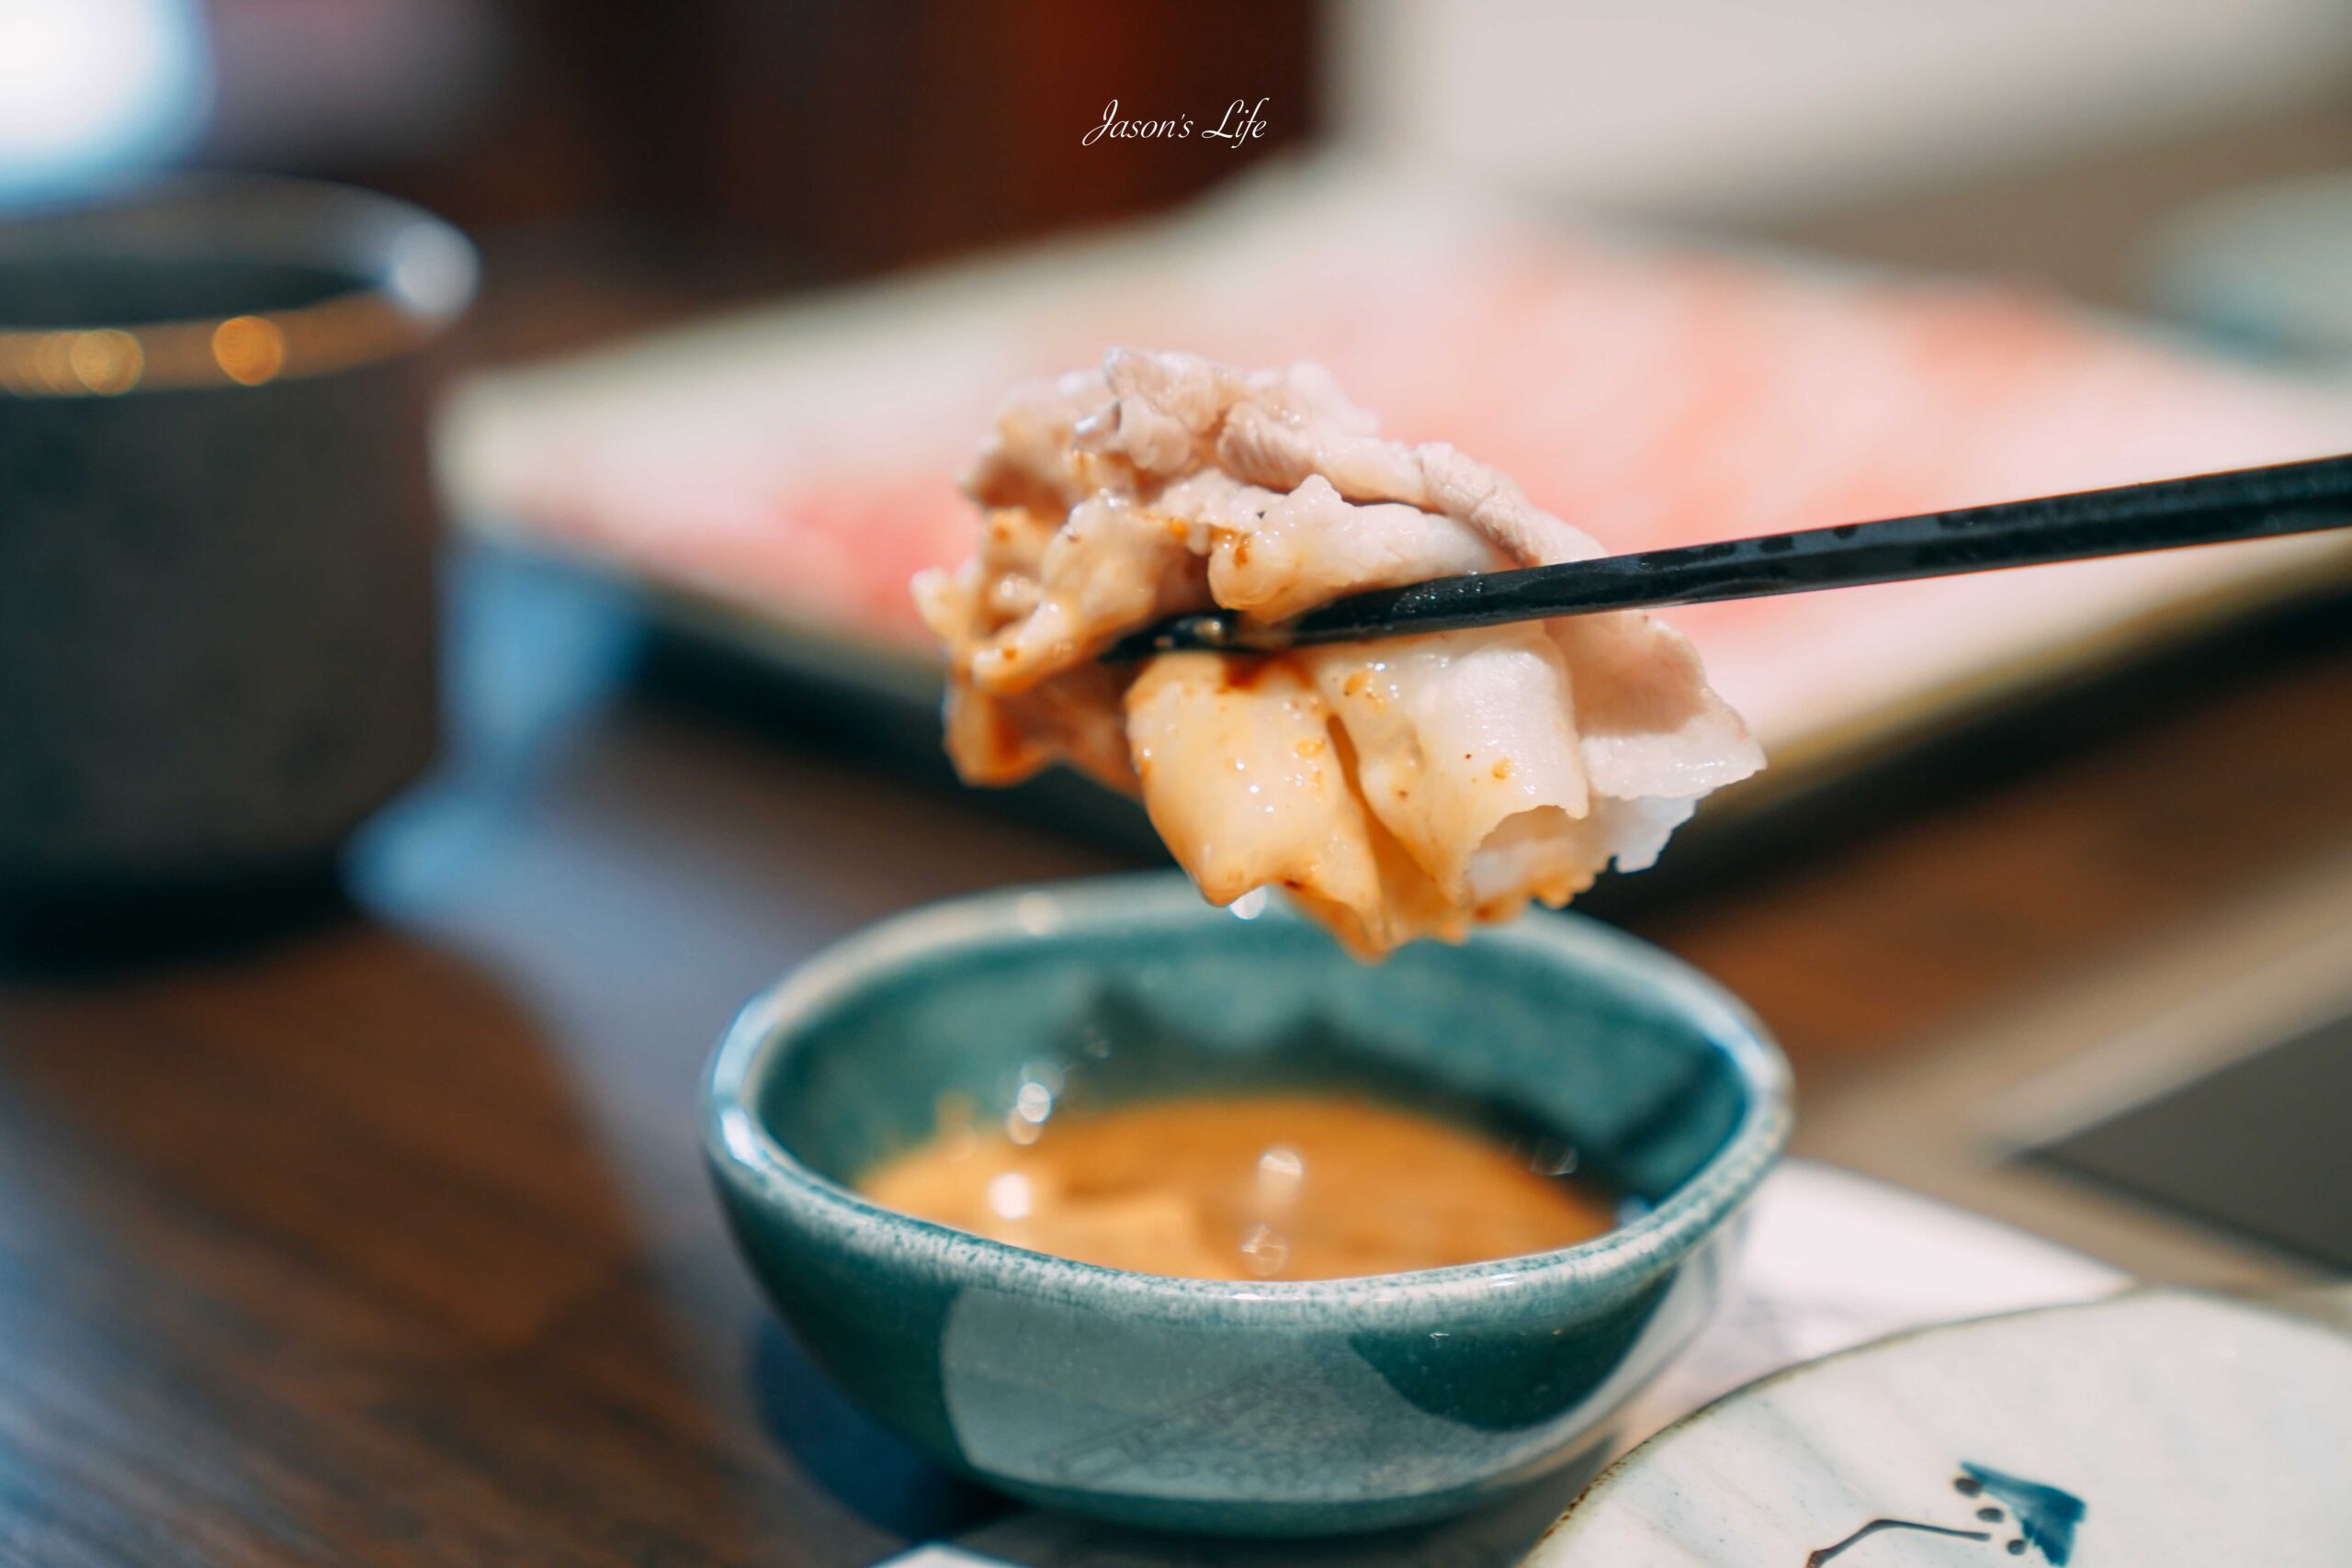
<point>2205,509</point>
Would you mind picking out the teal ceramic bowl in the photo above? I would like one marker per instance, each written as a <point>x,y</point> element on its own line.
<point>1275,1408</point>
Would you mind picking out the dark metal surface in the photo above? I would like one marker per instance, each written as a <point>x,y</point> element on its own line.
<point>2255,1146</point>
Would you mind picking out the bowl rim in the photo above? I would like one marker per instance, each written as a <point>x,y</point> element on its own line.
<point>742,1151</point>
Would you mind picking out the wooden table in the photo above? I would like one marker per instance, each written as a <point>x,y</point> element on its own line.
<point>388,1242</point>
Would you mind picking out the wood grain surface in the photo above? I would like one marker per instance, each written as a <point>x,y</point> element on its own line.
<point>385,1241</point>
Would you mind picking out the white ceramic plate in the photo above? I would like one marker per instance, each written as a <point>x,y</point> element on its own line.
<point>2156,1429</point>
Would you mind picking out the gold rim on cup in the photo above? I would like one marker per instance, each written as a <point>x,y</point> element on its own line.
<point>230,351</point>
<point>414,278</point>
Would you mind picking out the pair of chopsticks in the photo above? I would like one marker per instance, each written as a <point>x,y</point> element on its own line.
<point>2205,509</point>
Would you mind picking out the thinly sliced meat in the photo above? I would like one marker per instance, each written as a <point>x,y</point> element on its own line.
<point>1396,789</point>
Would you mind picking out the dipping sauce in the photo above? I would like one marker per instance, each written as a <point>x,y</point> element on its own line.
<point>1257,1187</point>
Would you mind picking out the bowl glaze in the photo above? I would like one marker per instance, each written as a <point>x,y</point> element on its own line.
<point>1273,1408</point>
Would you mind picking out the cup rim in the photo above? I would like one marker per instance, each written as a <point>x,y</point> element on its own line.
<point>744,1152</point>
<point>411,275</point>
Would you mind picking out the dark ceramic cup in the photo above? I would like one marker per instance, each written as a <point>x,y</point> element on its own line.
<point>1272,1408</point>
<point>217,523</point>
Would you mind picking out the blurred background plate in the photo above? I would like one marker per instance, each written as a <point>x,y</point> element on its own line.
<point>773,478</point>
